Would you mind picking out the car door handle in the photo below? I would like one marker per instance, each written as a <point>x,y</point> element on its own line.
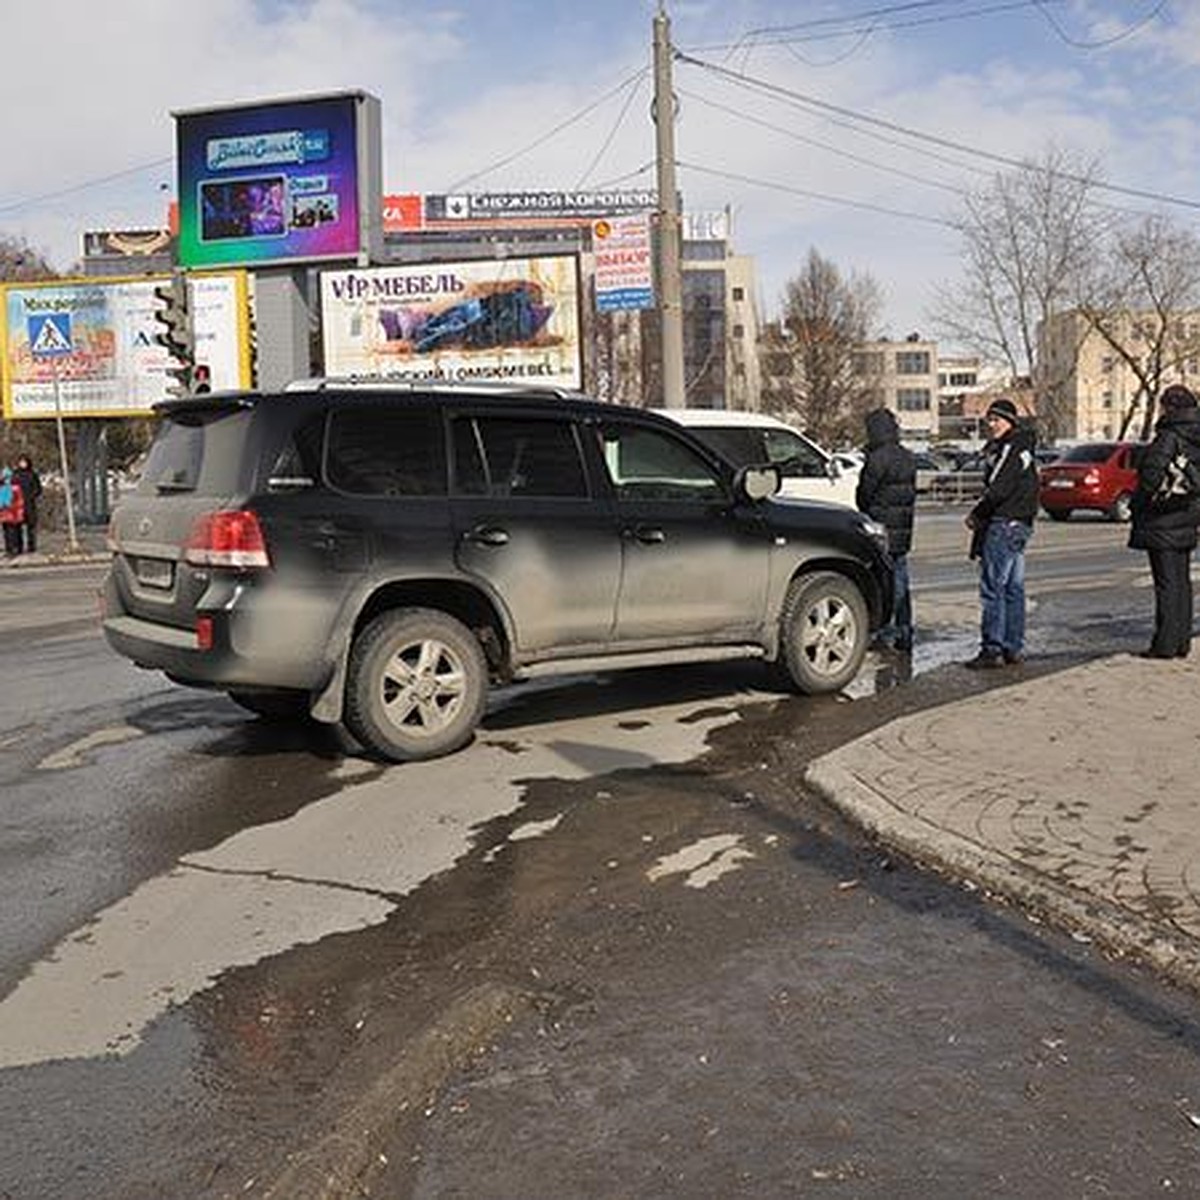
<point>648,535</point>
<point>487,535</point>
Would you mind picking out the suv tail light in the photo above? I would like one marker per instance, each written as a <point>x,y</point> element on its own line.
<point>230,538</point>
<point>1091,478</point>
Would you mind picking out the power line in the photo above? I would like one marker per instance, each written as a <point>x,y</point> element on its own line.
<point>835,150</point>
<point>15,205</point>
<point>459,184</point>
<point>825,196</point>
<point>1102,43</point>
<point>612,133</point>
<point>824,106</point>
<point>780,35</point>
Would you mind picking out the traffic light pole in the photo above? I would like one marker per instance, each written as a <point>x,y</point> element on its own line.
<point>72,539</point>
<point>670,281</point>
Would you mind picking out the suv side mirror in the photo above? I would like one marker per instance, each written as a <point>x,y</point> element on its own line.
<point>833,468</point>
<point>757,483</point>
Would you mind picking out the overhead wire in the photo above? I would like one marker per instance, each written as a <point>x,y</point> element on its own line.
<point>780,35</point>
<point>823,106</point>
<point>811,195</point>
<point>16,205</point>
<point>573,119</point>
<point>612,133</point>
<point>1101,43</point>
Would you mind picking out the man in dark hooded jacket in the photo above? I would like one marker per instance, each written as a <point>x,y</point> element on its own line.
<point>1001,524</point>
<point>1166,528</point>
<point>887,491</point>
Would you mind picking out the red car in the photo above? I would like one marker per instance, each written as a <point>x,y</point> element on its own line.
<point>1096,475</point>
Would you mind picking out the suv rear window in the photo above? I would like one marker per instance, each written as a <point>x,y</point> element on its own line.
<point>196,451</point>
<point>386,452</point>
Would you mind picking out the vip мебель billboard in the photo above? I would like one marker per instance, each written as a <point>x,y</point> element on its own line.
<point>288,181</point>
<point>514,320</point>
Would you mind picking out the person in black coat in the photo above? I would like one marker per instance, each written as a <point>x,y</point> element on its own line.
<point>1166,529</point>
<point>887,491</point>
<point>31,489</point>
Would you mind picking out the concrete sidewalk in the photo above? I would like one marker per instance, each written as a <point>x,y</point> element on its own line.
<point>54,549</point>
<point>1076,794</point>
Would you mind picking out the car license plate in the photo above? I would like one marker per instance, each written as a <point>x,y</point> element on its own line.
<point>1062,483</point>
<point>155,572</point>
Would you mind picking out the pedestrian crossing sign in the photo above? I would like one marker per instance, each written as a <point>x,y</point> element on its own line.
<point>50,334</point>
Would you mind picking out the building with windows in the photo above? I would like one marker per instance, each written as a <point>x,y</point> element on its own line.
<point>1094,388</point>
<point>903,376</point>
<point>720,319</point>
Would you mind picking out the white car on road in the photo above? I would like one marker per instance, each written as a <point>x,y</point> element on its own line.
<point>809,472</point>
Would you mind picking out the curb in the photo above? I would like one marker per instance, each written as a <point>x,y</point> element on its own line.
<point>350,1155</point>
<point>1119,931</point>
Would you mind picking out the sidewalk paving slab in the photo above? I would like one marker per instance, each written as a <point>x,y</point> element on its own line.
<point>1075,794</point>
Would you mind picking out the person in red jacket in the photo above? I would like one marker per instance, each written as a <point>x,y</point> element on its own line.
<point>12,512</point>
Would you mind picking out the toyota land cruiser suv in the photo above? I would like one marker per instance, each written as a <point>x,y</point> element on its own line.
<point>376,554</point>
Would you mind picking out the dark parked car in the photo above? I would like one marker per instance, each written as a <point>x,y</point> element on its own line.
<point>1093,475</point>
<point>376,554</point>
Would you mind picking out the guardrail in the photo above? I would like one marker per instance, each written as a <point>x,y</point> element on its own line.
<point>954,487</point>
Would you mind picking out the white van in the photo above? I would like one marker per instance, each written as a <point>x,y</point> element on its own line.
<point>808,471</point>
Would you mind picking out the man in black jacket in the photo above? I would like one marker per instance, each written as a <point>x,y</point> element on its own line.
<point>31,489</point>
<point>1001,524</point>
<point>887,491</point>
<point>1165,527</point>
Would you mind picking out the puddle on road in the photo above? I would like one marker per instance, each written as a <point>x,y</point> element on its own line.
<point>340,864</point>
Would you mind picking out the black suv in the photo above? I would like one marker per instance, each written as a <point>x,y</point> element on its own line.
<point>374,554</point>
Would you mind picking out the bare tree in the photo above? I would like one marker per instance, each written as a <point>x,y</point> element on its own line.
<point>810,356</point>
<point>19,263</point>
<point>1029,240</point>
<point>1146,307</point>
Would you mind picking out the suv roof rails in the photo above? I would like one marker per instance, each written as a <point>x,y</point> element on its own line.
<point>500,387</point>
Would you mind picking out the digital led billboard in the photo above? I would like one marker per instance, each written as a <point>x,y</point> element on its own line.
<point>281,182</point>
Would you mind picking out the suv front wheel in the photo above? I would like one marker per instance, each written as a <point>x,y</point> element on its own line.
<point>825,630</point>
<point>416,686</point>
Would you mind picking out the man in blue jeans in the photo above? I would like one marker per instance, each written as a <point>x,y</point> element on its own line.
<point>1001,524</point>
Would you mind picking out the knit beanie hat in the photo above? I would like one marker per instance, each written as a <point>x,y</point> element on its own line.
<point>1005,409</point>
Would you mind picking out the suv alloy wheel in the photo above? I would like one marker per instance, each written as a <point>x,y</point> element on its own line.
<point>417,685</point>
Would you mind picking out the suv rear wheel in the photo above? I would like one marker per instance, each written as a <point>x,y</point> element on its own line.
<point>825,630</point>
<point>416,686</point>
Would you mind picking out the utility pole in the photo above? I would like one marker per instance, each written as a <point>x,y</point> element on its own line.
<point>670,281</point>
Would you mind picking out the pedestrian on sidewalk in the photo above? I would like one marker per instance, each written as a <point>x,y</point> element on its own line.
<point>31,490</point>
<point>12,512</point>
<point>1165,525</point>
<point>1001,525</point>
<point>887,491</point>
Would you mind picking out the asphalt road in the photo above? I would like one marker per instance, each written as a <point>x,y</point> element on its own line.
<point>609,949</point>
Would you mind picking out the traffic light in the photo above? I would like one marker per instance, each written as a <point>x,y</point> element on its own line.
<point>176,337</point>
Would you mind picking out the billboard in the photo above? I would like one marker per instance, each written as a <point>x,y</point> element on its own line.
<point>282,182</point>
<point>416,212</point>
<point>513,319</point>
<point>624,272</point>
<point>114,367</point>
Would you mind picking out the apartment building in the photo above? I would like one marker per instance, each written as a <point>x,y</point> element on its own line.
<point>1093,387</point>
<point>903,376</point>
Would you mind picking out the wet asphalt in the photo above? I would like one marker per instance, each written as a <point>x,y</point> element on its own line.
<point>570,1010</point>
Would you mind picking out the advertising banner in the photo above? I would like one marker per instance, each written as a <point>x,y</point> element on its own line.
<point>514,319</point>
<point>114,367</point>
<point>415,212</point>
<point>624,265</point>
<point>291,181</point>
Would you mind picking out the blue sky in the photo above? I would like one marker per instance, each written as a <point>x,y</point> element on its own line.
<point>472,90</point>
